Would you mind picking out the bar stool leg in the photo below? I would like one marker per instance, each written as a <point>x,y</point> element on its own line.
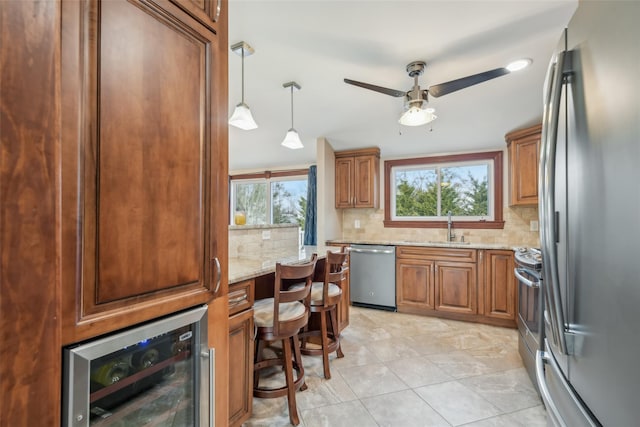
<point>325,344</point>
<point>336,332</point>
<point>298,359</point>
<point>288,373</point>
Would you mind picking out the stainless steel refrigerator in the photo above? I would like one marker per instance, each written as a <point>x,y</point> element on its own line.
<point>589,370</point>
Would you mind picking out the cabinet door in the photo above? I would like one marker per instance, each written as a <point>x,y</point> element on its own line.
<point>414,285</point>
<point>499,285</point>
<point>456,287</point>
<point>240,367</point>
<point>136,203</point>
<point>364,181</point>
<point>344,182</point>
<point>524,156</point>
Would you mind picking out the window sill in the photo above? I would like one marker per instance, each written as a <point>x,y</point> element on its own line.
<point>443,224</point>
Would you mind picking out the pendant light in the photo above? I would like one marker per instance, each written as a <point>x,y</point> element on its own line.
<point>292,139</point>
<point>241,117</point>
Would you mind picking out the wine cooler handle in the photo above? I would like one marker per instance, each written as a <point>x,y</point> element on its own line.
<point>212,387</point>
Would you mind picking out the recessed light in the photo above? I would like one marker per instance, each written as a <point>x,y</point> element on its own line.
<point>519,64</point>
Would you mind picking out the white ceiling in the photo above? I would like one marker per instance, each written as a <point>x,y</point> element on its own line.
<point>318,43</point>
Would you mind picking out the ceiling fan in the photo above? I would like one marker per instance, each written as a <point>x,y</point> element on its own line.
<point>416,99</point>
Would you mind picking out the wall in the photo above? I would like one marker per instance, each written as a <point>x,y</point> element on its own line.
<point>516,231</point>
<point>246,241</point>
<point>329,221</point>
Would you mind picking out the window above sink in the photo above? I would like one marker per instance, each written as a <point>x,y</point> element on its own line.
<point>420,192</point>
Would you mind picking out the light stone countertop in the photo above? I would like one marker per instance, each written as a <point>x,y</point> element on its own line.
<point>246,268</point>
<point>429,244</point>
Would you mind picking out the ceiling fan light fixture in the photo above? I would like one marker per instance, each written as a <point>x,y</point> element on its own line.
<point>292,139</point>
<point>416,116</point>
<point>242,118</point>
<point>519,64</point>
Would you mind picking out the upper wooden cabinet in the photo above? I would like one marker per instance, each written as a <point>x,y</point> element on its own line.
<point>144,158</point>
<point>207,12</point>
<point>524,158</point>
<point>357,178</point>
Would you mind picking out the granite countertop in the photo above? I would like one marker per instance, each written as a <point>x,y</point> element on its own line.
<point>432,244</point>
<point>245,268</point>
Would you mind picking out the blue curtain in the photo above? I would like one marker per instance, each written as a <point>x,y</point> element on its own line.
<point>310,233</point>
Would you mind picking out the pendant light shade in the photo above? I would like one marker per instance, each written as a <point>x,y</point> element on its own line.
<point>292,139</point>
<point>416,116</point>
<point>241,117</point>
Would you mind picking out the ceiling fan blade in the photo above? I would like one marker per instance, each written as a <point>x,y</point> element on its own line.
<point>386,91</point>
<point>454,85</point>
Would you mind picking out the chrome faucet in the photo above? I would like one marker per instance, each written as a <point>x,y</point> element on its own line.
<point>450,235</point>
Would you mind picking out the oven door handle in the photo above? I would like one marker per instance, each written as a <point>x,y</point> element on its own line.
<point>530,283</point>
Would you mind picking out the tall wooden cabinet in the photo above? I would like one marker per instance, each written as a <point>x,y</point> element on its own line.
<point>524,158</point>
<point>357,178</point>
<point>114,124</point>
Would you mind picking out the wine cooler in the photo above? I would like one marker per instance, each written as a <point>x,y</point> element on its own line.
<point>160,373</point>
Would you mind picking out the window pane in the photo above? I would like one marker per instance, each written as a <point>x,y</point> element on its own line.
<point>416,192</point>
<point>288,202</point>
<point>464,190</point>
<point>252,199</point>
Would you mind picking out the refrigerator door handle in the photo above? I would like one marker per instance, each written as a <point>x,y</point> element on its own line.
<point>546,358</point>
<point>548,230</point>
<point>542,357</point>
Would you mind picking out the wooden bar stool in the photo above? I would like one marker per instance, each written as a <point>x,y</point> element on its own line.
<point>280,319</point>
<point>324,301</point>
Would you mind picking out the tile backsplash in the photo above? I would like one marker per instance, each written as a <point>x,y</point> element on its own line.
<point>516,231</point>
<point>258,241</point>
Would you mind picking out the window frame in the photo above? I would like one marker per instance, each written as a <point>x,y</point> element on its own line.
<point>448,160</point>
<point>266,177</point>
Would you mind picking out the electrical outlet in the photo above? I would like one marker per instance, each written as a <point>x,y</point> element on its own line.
<point>266,234</point>
<point>533,225</point>
<point>356,224</point>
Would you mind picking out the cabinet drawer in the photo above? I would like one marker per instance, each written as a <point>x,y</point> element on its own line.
<point>241,296</point>
<point>444,254</point>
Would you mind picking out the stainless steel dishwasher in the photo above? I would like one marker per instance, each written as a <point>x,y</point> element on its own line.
<point>373,276</point>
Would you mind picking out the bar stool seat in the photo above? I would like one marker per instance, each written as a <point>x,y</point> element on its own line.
<point>279,319</point>
<point>324,300</point>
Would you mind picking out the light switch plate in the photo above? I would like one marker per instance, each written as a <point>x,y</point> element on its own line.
<point>266,234</point>
<point>533,225</point>
<point>356,224</point>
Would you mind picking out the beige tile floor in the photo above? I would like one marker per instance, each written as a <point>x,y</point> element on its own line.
<point>405,370</point>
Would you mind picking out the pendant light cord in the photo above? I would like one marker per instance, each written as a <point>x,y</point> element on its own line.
<point>243,75</point>
<point>292,107</point>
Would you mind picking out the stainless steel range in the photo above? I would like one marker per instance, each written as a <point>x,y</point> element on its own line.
<point>528,273</point>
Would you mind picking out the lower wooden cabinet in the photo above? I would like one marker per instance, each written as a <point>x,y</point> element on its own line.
<point>240,367</point>
<point>500,291</point>
<point>415,290</point>
<point>463,284</point>
<point>455,287</point>
<point>241,339</point>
